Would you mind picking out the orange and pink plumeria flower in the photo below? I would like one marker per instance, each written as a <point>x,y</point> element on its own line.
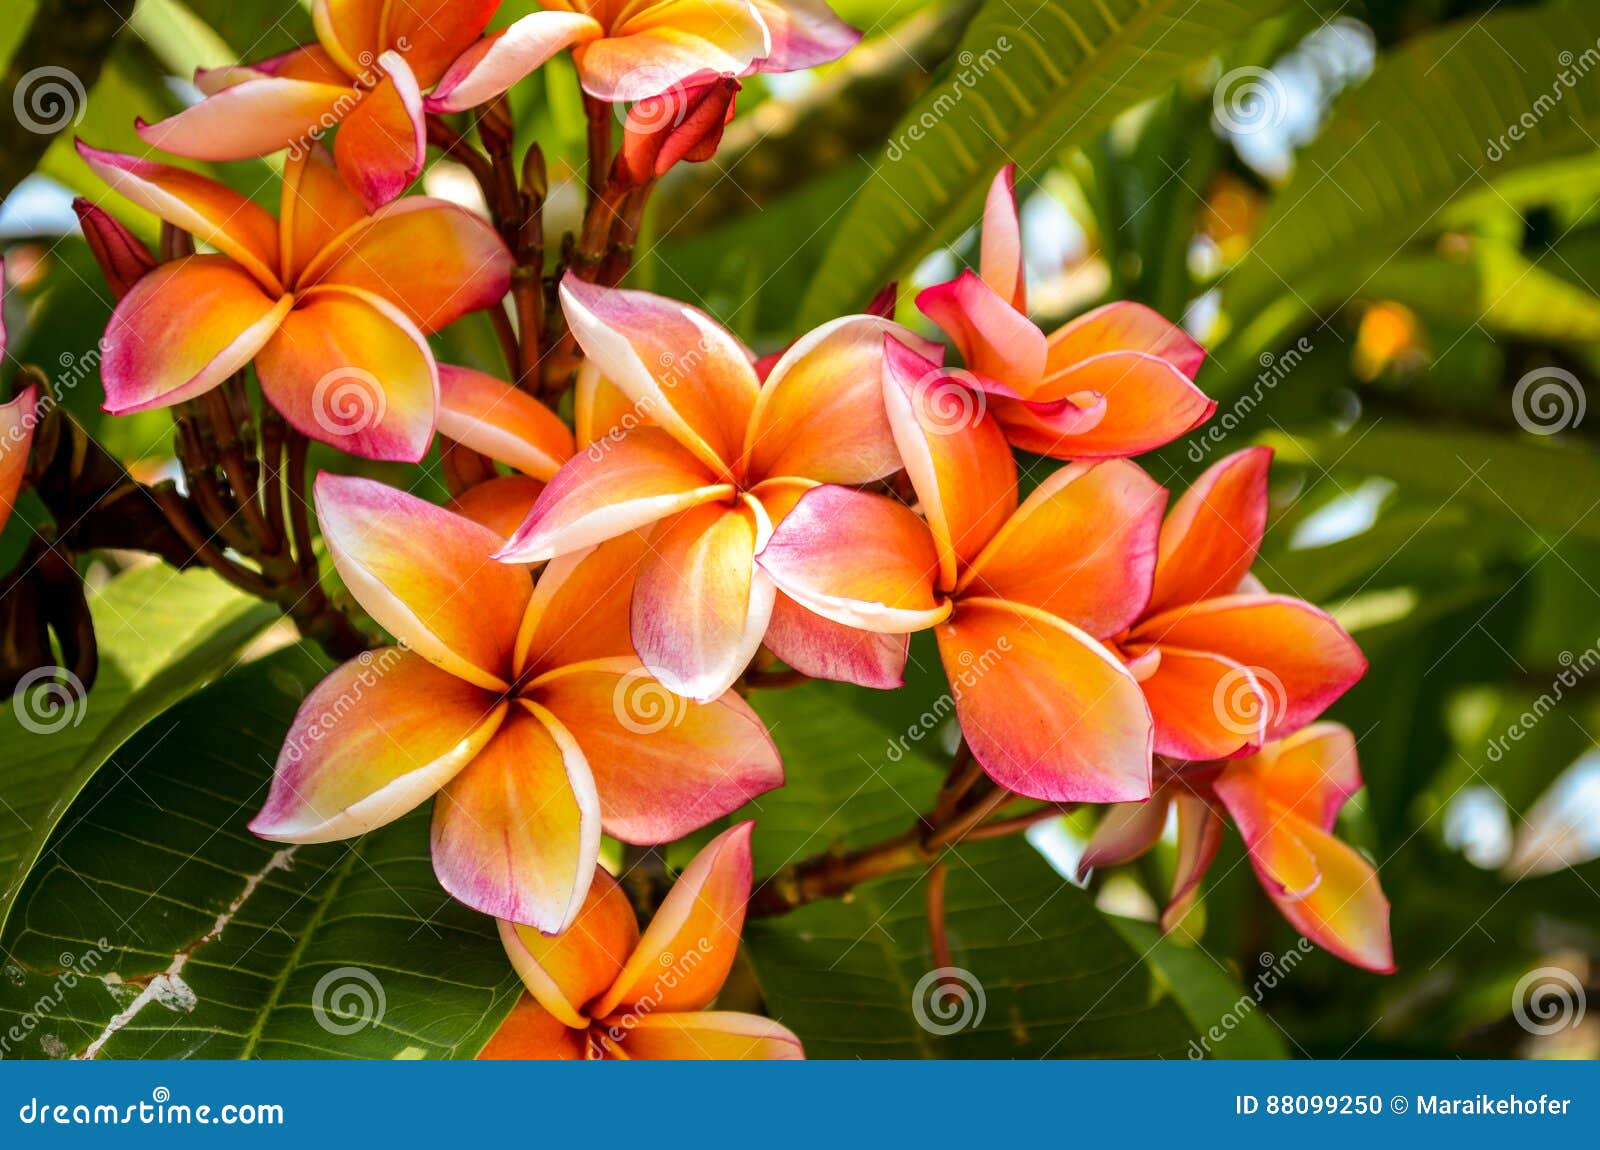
<point>1114,382</point>
<point>632,51</point>
<point>683,438</point>
<point>602,991</point>
<point>525,711</point>
<point>1285,800</point>
<point>1225,665</point>
<point>332,304</point>
<point>365,76</point>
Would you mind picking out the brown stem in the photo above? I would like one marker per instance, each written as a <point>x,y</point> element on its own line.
<point>596,174</point>
<point>172,506</point>
<point>958,827</point>
<point>834,875</point>
<point>938,938</point>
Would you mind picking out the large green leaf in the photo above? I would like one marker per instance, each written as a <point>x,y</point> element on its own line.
<point>162,635</point>
<point>1025,83</point>
<point>1430,124</point>
<point>850,977</point>
<point>218,944</point>
<point>1545,488</point>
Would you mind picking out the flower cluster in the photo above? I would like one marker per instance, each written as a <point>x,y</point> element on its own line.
<point>573,641</point>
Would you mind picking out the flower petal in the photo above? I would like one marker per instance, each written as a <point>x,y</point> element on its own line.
<point>1126,831</point>
<point>805,33</point>
<point>1311,773</point>
<point>496,62</point>
<point>675,362</point>
<point>956,456</point>
<point>693,937</point>
<point>1302,658</point>
<point>701,606</point>
<point>530,1032</point>
<point>255,117</point>
<point>565,972</point>
<point>658,45</point>
<point>720,1035</point>
<point>1049,712</point>
<point>374,740</point>
<point>1000,263</point>
<point>1139,403</point>
<point>1082,547</point>
<point>350,30</point>
<point>17,420</point>
<point>1210,539</point>
<point>664,766</point>
<point>382,142</point>
<point>183,328</point>
<point>308,62</point>
<point>348,369</point>
<point>859,559</point>
<point>517,832</point>
<point>500,504</point>
<point>610,489</point>
<point>822,649</point>
<point>502,422</point>
<point>211,213</point>
<point>1125,326</point>
<point>425,575</point>
<point>581,606</point>
<point>1205,706</point>
<point>599,409</point>
<point>315,206</point>
<point>435,260</point>
<point>820,412</point>
<point>995,339</point>
<point>432,33</point>
<point>1199,837</point>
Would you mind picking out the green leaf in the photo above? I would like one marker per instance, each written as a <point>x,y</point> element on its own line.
<point>1544,487</point>
<point>217,944</point>
<point>162,635</point>
<point>1054,978</point>
<point>1424,129</point>
<point>1024,85</point>
<point>1211,996</point>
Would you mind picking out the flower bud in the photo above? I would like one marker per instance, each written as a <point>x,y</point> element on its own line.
<point>122,258</point>
<point>683,123</point>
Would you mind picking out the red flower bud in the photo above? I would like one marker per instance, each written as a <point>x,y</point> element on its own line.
<point>683,123</point>
<point>122,258</point>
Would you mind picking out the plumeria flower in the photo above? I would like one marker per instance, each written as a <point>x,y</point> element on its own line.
<point>1225,665</point>
<point>16,433</point>
<point>366,75</point>
<point>626,52</point>
<point>1020,597</point>
<point>523,709</point>
<point>1114,382</point>
<point>333,305</point>
<point>599,990</point>
<point>1285,800</point>
<point>684,437</point>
